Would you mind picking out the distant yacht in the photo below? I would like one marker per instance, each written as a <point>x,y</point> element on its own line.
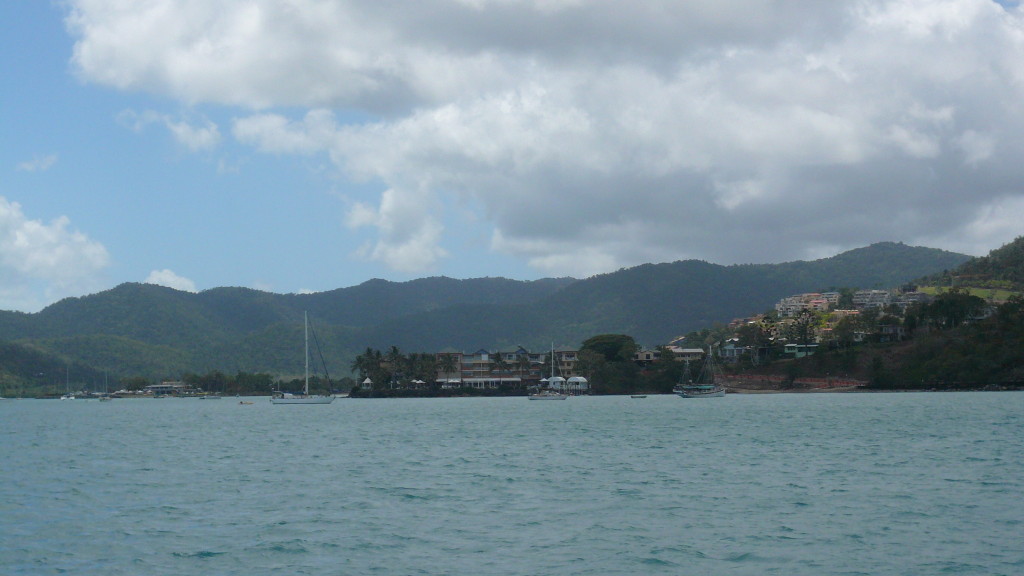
<point>305,397</point>
<point>68,395</point>
<point>550,393</point>
<point>705,387</point>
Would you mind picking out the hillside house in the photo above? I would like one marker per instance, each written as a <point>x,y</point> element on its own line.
<point>813,301</point>
<point>687,354</point>
<point>731,351</point>
<point>800,350</point>
<point>863,299</point>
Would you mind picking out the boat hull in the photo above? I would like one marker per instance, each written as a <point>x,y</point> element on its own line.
<point>302,399</point>
<point>714,393</point>
<point>548,396</point>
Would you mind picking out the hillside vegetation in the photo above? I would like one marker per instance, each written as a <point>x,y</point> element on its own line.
<point>971,335</point>
<point>156,332</point>
<point>1003,269</point>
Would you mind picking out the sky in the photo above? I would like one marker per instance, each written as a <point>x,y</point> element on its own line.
<point>307,145</point>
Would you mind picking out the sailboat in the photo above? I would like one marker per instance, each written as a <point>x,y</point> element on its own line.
<point>705,386</point>
<point>305,397</point>
<point>67,386</point>
<point>105,397</point>
<point>550,393</point>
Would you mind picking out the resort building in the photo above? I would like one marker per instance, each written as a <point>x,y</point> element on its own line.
<point>490,370</point>
<point>169,388</point>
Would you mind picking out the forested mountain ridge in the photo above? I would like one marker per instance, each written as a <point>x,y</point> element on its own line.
<point>1002,268</point>
<point>656,302</point>
<point>152,331</point>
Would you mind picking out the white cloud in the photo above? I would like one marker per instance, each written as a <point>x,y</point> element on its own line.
<point>169,279</point>
<point>42,262</point>
<point>204,136</point>
<point>594,137</point>
<point>274,133</point>
<point>409,235</point>
<point>38,163</point>
<point>197,136</point>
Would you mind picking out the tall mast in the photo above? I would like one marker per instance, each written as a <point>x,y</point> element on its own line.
<point>552,359</point>
<point>305,318</point>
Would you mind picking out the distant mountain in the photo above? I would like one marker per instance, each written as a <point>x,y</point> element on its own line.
<point>152,331</point>
<point>657,302</point>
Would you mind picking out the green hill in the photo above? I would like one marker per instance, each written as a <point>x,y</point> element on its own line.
<point>1003,268</point>
<point>157,332</point>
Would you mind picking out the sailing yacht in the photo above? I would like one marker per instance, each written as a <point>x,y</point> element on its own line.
<point>68,395</point>
<point>550,393</point>
<point>706,385</point>
<point>305,397</point>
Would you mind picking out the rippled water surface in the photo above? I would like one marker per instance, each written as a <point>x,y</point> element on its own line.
<point>829,484</point>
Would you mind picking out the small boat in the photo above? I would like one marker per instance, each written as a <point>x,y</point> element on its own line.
<point>244,402</point>
<point>105,397</point>
<point>638,396</point>
<point>68,395</point>
<point>705,386</point>
<point>305,397</point>
<point>550,393</point>
<point>700,391</point>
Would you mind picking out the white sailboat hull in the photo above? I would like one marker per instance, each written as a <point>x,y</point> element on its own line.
<point>548,396</point>
<point>301,399</point>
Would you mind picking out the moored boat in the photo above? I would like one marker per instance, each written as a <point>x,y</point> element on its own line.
<point>705,386</point>
<point>548,395</point>
<point>305,397</point>
<point>699,391</point>
<point>555,384</point>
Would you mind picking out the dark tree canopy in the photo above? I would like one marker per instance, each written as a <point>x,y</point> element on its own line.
<point>613,347</point>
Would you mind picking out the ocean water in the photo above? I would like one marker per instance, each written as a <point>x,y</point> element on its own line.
<point>815,484</point>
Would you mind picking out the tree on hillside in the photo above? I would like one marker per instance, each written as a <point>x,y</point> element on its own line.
<point>844,332</point>
<point>607,361</point>
<point>664,372</point>
<point>845,299</point>
<point>952,308</point>
<point>801,329</point>
<point>613,347</point>
<point>757,335</point>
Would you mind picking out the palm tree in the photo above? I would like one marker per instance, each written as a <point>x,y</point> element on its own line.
<point>395,361</point>
<point>447,364</point>
<point>498,364</point>
<point>360,364</point>
<point>523,364</point>
<point>423,367</point>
